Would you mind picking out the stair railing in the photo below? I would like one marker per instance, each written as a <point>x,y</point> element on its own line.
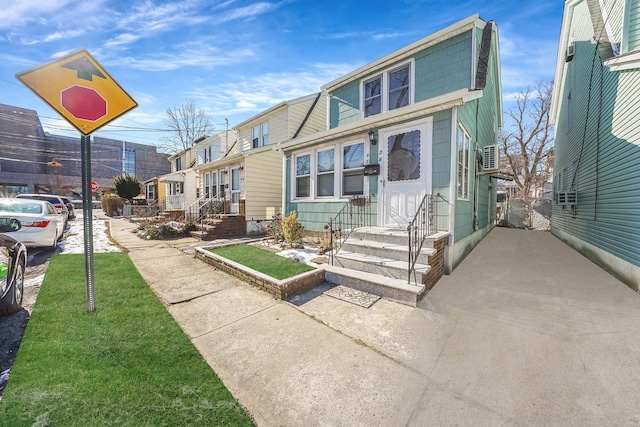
<point>354,214</point>
<point>422,225</point>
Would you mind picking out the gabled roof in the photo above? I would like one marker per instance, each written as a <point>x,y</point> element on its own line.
<point>270,110</point>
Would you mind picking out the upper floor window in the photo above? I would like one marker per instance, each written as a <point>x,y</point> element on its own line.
<point>260,135</point>
<point>178,164</point>
<point>388,91</point>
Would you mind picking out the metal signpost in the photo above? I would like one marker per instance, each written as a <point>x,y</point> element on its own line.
<point>85,95</point>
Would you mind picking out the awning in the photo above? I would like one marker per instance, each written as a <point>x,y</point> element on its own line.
<point>172,177</point>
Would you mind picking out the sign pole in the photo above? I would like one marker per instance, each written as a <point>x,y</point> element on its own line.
<point>87,213</point>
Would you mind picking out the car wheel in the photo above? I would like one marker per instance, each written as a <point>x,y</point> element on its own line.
<point>13,300</point>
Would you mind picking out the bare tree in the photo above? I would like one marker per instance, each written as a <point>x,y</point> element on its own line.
<point>527,142</point>
<point>186,123</point>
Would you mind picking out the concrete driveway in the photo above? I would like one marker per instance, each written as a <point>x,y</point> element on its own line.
<point>525,332</point>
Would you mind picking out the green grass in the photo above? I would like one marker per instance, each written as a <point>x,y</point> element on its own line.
<point>126,364</point>
<point>3,271</point>
<point>263,261</point>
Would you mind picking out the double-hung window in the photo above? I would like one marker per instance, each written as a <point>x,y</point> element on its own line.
<point>464,143</point>
<point>330,172</point>
<point>387,91</point>
<point>353,169</point>
<point>207,185</point>
<point>325,173</point>
<point>373,96</point>
<point>260,135</point>
<point>303,175</point>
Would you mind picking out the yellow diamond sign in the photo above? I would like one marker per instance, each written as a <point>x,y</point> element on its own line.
<point>80,90</point>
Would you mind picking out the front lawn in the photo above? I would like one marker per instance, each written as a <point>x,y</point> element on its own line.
<point>263,261</point>
<point>127,364</point>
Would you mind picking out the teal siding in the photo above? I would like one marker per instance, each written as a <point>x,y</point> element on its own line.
<point>444,68</point>
<point>439,69</point>
<point>344,105</point>
<point>634,26</point>
<point>599,136</point>
<point>441,164</point>
<point>480,120</point>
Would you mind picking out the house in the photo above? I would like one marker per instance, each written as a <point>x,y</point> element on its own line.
<point>410,143</point>
<point>247,173</point>
<point>181,184</point>
<point>597,144</point>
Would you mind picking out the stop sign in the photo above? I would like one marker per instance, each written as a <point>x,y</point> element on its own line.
<point>83,103</point>
<point>94,186</point>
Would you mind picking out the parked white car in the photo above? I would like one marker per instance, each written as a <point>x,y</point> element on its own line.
<point>56,201</point>
<point>42,225</point>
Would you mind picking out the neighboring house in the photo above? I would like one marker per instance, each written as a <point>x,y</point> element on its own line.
<point>33,161</point>
<point>181,184</point>
<point>246,172</point>
<point>405,133</point>
<point>597,144</point>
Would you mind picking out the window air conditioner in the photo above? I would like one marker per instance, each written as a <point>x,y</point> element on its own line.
<point>567,198</point>
<point>571,50</point>
<point>490,158</point>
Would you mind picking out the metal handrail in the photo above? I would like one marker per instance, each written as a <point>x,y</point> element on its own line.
<point>354,214</point>
<point>420,227</point>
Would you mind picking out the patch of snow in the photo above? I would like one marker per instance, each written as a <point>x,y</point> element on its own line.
<point>73,243</point>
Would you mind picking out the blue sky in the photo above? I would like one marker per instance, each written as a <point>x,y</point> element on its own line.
<point>235,58</point>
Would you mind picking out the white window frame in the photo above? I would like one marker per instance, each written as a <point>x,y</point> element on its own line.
<point>384,89</point>
<point>260,138</point>
<point>295,175</point>
<point>338,172</point>
<point>207,185</point>
<point>343,170</point>
<point>462,191</point>
<point>331,172</point>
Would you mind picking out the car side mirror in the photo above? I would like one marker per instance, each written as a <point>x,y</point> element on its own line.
<point>7,225</point>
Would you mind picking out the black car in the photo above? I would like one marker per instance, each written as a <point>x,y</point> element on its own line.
<point>70,207</point>
<point>13,261</point>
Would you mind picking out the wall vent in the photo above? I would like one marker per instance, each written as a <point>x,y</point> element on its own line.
<point>567,198</point>
<point>490,158</point>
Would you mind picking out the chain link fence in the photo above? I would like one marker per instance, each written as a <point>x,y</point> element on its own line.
<point>533,214</point>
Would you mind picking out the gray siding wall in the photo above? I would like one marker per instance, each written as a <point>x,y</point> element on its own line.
<point>598,136</point>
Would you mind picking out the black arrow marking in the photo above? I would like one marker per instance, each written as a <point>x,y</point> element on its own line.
<point>86,70</point>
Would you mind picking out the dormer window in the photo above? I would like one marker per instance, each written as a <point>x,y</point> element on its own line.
<point>388,91</point>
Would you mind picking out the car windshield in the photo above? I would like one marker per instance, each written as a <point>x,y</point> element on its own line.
<point>21,207</point>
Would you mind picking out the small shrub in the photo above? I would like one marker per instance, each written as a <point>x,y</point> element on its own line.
<point>292,230</point>
<point>112,205</point>
<point>127,186</point>
<point>153,230</point>
<point>274,230</point>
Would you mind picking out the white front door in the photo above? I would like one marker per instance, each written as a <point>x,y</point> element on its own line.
<point>405,175</point>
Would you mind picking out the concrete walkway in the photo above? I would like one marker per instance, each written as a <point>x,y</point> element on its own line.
<point>525,332</point>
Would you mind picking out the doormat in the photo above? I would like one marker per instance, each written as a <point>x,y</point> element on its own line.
<point>354,296</point>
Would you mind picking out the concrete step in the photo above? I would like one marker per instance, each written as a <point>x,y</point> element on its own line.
<point>385,250</point>
<point>379,265</point>
<point>389,288</point>
<point>391,235</point>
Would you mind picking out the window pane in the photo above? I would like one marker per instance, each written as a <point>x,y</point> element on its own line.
<point>372,106</point>
<point>303,165</point>
<point>325,184</point>
<point>404,156</point>
<point>302,186</point>
<point>325,161</point>
<point>353,183</point>
<point>399,88</point>
<point>372,97</point>
<point>353,156</point>
<point>235,179</point>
